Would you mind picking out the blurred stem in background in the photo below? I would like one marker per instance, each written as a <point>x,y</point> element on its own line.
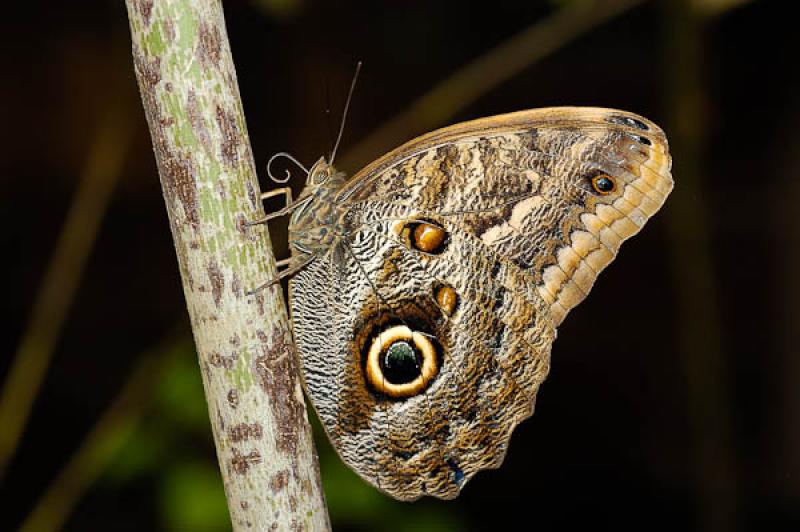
<point>108,435</point>
<point>156,428</point>
<point>488,72</point>
<point>698,323</point>
<point>62,276</point>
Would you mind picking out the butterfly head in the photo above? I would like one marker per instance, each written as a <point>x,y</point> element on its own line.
<point>324,176</point>
<point>322,184</point>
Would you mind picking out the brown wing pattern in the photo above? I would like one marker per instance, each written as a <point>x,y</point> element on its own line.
<point>524,228</point>
<point>494,349</point>
<point>522,184</point>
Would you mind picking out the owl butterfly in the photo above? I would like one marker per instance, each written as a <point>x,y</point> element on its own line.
<point>428,287</point>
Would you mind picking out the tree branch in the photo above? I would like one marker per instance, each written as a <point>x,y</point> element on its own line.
<point>191,98</point>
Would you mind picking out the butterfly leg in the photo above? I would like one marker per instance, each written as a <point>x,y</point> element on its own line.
<point>291,269</point>
<point>285,191</point>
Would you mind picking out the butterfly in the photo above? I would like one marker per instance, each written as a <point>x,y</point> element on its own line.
<point>427,288</point>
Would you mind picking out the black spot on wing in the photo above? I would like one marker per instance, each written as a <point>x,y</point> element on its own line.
<point>627,121</point>
<point>640,139</point>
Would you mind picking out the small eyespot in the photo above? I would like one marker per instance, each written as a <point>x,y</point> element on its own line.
<point>604,184</point>
<point>446,298</point>
<point>424,236</point>
<point>428,237</point>
<point>400,362</point>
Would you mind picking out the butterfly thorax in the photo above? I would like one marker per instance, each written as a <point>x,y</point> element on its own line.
<point>314,224</point>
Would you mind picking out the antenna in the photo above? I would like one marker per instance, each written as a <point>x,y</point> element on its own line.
<point>288,174</point>
<point>328,124</point>
<point>344,114</point>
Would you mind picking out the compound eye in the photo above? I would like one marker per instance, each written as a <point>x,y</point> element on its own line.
<point>321,176</point>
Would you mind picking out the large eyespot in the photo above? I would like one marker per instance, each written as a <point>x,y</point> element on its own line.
<point>604,184</point>
<point>400,362</point>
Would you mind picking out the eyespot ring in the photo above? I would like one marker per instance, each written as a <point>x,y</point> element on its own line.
<point>604,184</point>
<point>400,362</point>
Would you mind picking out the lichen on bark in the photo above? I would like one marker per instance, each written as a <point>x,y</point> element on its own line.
<point>190,95</point>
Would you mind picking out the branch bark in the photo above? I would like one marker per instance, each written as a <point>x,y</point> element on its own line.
<point>191,98</point>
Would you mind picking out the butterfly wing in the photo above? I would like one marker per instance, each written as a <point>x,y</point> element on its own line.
<point>522,184</point>
<point>478,239</point>
<point>492,349</point>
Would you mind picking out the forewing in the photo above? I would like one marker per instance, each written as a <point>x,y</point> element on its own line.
<point>523,184</point>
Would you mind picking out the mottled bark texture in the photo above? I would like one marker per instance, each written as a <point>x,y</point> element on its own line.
<point>191,99</point>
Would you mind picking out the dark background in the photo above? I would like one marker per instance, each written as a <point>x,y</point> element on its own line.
<point>672,402</point>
